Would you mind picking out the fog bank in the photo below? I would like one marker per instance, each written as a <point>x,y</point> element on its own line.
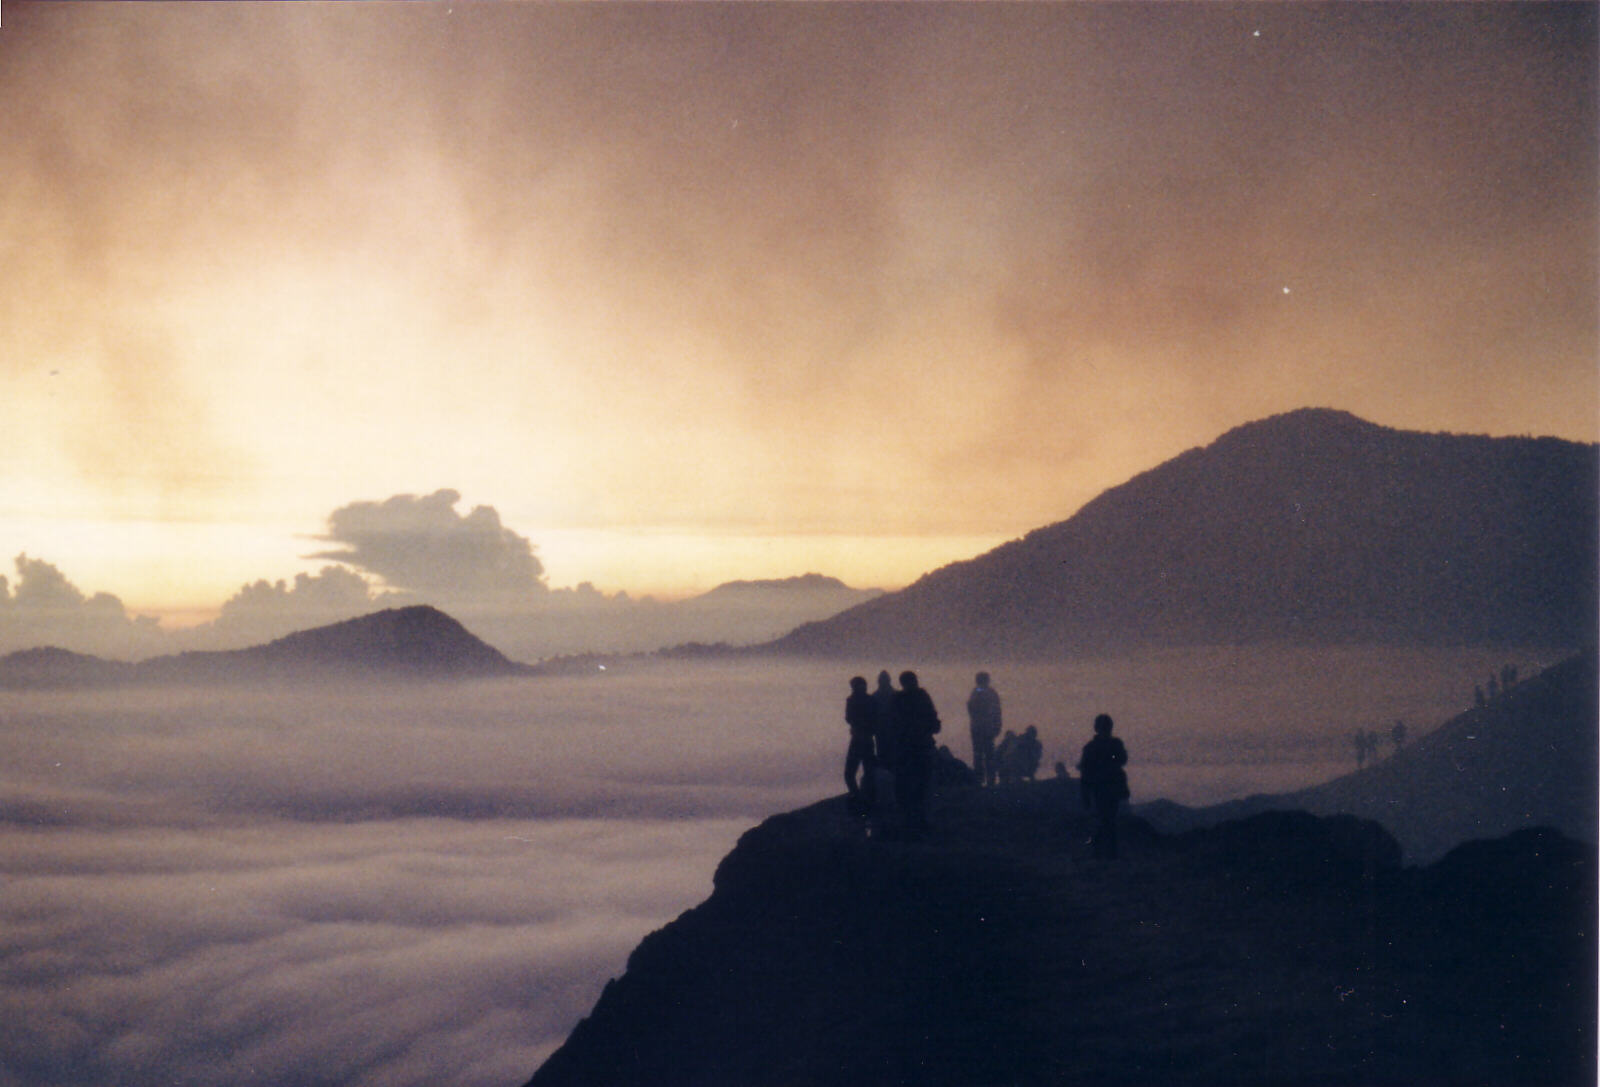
<point>430,885</point>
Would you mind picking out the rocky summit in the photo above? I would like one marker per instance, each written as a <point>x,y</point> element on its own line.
<point>1278,949</point>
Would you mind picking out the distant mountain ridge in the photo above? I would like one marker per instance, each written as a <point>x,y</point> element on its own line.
<point>1312,527</point>
<point>814,585</point>
<point>572,623</point>
<point>417,642</point>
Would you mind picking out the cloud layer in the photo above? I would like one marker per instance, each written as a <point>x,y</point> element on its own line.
<point>359,886</point>
<point>342,886</point>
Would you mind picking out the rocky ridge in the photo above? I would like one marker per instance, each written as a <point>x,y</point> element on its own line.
<point>1283,948</point>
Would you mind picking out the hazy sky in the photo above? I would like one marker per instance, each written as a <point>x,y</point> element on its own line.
<point>696,292</point>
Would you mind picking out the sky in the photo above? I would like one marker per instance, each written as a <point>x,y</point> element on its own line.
<point>670,295</point>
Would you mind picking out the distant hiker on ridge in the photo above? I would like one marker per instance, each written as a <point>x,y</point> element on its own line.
<point>861,714</point>
<point>983,715</point>
<point>915,724</point>
<point>1105,784</point>
<point>1366,743</point>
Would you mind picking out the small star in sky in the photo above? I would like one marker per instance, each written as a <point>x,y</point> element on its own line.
<point>1286,290</point>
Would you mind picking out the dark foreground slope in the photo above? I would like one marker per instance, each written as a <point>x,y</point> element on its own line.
<point>1527,758</point>
<point>1309,527</point>
<point>1280,950</point>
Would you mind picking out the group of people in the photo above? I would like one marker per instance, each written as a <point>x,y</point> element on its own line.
<point>893,730</point>
<point>999,759</point>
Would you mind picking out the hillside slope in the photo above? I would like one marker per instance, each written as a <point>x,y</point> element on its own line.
<point>1528,758</point>
<point>1314,526</point>
<point>1282,950</point>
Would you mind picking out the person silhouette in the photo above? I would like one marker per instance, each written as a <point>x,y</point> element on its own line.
<point>915,724</point>
<point>1005,762</point>
<point>983,716</point>
<point>861,714</point>
<point>883,696</point>
<point>1025,755</point>
<point>1104,784</point>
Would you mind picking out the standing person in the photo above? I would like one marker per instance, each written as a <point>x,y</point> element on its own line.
<point>1105,784</point>
<point>861,714</point>
<point>915,724</point>
<point>884,697</point>
<point>983,717</point>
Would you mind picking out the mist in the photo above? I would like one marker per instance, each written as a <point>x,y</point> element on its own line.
<point>431,884</point>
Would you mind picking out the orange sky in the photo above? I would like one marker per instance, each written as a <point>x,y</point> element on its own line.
<point>698,292</point>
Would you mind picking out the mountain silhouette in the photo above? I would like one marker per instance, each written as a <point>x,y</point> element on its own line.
<point>1311,527</point>
<point>808,587</point>
<point>1525,759</point>
<point>417,642</point>
<point>51,666</point>
<point>1283,949</point>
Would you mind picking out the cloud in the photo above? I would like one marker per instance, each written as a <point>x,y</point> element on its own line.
<point>197,936</point>
<point>333,588</point>
<point>262,610</point>
<point>407,952</point>
<point>423,545</point>
<point>47,609</point>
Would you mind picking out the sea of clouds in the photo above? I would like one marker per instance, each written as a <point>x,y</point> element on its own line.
<point>431,884</point>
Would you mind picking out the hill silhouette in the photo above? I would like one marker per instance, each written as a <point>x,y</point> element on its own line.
<point>52,666</point>
<point>1526,758</point>
<point>808,587</point>
<point>1282,949</point>
<point>418,642</point>
<point>1311,527</point>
